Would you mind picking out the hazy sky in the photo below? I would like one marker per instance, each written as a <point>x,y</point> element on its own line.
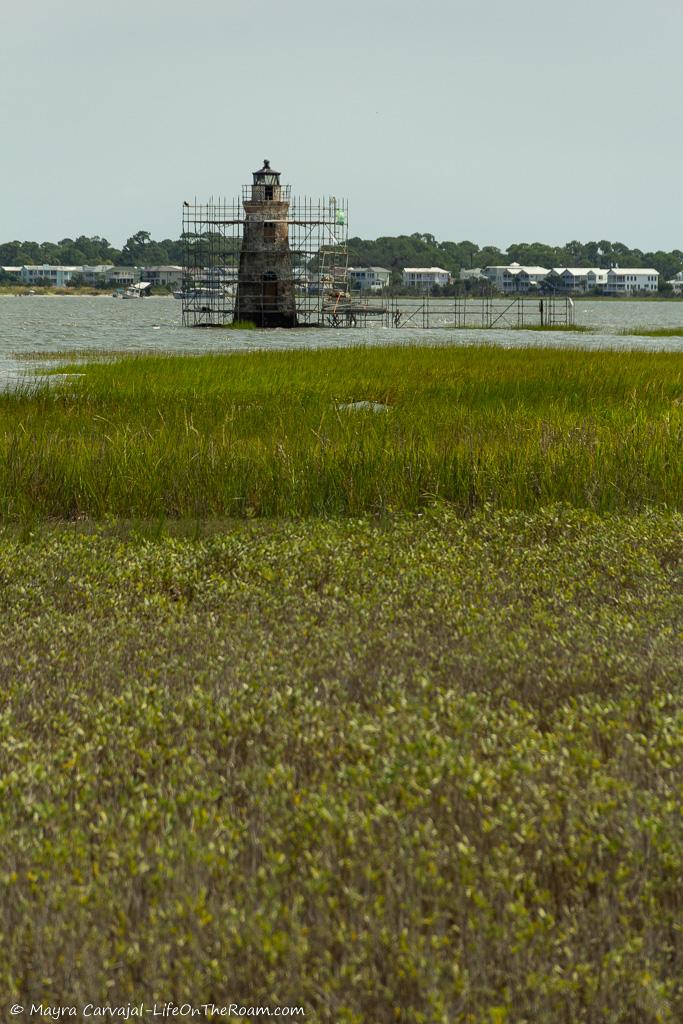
<point>492,121</point>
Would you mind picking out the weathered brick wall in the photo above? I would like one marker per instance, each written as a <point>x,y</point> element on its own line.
<point>265,286</point>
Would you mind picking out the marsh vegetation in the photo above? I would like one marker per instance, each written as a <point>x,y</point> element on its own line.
<point>271,433</point>
<point>345,679</point>
<point>419,769</point>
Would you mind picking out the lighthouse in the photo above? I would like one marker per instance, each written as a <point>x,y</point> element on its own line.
<point>265,281</point>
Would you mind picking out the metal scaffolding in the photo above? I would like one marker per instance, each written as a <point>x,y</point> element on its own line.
<point>491,312</point>
<point>277,261</point>
<point>518,311</point>
<point>217,249</point>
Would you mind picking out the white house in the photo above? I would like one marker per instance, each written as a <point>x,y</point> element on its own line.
<point>48,274</point>
<point>576,279</point>
<point>163,275</point>
<point>676,281</point>
<point>495,275</point>
<point>369,279</point>
<point>215,277</point>
<point>515,278</point>
<point>626,280</point>
<point>596,278</point>
<point>425,278</point>
<point>122,277</point>
<point>96,274</point>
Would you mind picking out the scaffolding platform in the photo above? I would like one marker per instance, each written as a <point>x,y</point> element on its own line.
<point>491,312</point>
<point>349,314</point>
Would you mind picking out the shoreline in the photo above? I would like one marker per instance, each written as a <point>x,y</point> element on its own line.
<point>72,293</point>
<point>11,290</point>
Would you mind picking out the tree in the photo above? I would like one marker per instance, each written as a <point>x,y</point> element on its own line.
<point>490,256</point>
<point>393,252</point>
<point>591,250</point>
<point>8,253</point>
<point>71,256</point>
<point>135,249</point>
<point>605,248</point>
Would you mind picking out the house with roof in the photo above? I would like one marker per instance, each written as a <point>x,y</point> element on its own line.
<point>424,278</point>
<point>676,282</point>
<point>369,279</point>
<point>122,277</point>
<point>596,279</point>
<point>515,278</point>
<point>96,274</point>
<point>627,280</point>
<point>48,274</point>
<point>575,279</point>
<point>163,275</point>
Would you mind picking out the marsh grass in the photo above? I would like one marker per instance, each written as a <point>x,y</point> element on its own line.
<point>86,354</point>
<point>545,329</point>
<point>653,332</point>
<point>262,434</point>
<point>550,328</point>
<point>14,288</point>
<point>241,325</point>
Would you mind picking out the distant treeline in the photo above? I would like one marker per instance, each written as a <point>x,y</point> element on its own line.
<point>139,250</point>
<point>392,252</point>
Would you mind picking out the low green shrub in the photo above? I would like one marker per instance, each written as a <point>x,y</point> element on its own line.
<point>422,769</point>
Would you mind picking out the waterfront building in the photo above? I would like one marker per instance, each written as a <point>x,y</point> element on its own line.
<point>424,278</point>
<point>95,274</point>
<point>515,278</point>
<point>169,276</point>
<point>122,277</point>
<point>627,280</point>
<point>617,281</point>
<point>217,275</point>
<point>576,279</point>
<point>369,279</point>
<point>676,281</point>
<point>596,278</point>
<point>57,276</point>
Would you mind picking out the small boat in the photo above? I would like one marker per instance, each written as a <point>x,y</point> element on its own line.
<point>137,291</point>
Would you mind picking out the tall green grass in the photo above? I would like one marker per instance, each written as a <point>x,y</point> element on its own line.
<point>265,434</point>
<point>654,332</point>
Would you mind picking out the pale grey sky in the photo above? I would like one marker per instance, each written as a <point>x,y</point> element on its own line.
<point>498,122</point>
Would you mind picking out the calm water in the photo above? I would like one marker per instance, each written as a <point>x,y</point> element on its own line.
<point>55,323</point>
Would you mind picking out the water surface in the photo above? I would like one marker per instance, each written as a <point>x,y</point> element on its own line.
<point>56,323</point>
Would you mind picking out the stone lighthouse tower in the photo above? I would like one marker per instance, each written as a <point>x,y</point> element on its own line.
<point>265,282</point>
